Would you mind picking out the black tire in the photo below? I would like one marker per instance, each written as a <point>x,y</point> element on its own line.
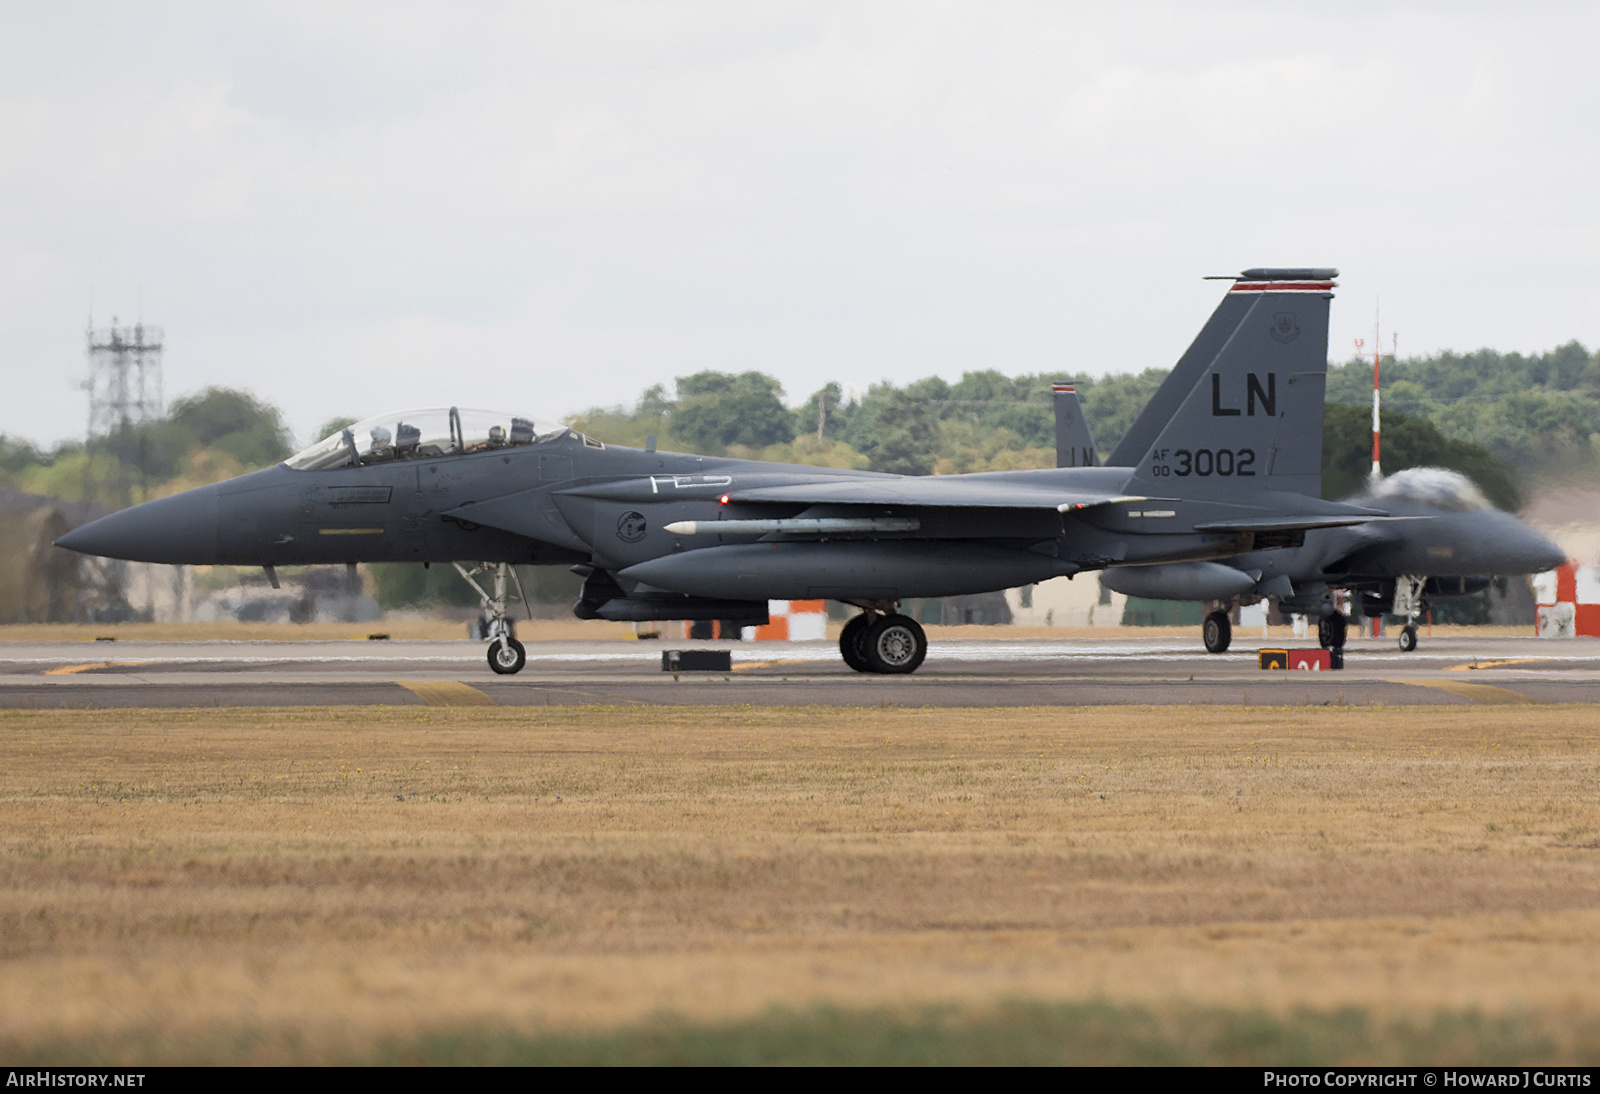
<point>506,656</point>
<point>852,643</point>
<point>1331,631</point>
<point>895,644</point>
<point>1408,639</point>
<point>1217,632</point>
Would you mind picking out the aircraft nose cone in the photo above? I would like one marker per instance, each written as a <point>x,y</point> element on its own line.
<point>180,530</point>
<point>1515,548</point>
<point>1546,555</point>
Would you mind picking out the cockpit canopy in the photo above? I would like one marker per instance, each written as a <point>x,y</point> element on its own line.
<point>423,435</point>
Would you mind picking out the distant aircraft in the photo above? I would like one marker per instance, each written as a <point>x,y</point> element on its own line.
<point>1442,538</point>
<point>1232,469</point>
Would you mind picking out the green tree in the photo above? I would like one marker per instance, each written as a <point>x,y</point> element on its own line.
<point>897,429</point>
<point>332,426</point>
<point>1407,442</point>
<point>234,421</point>
<point>717,409</point>
<point>820,414</point>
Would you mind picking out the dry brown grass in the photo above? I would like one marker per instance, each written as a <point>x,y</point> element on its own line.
<point>354,873</point>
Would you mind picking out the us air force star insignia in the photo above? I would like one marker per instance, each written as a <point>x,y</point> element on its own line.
<point>630,527</point>
<point>1284,329</point>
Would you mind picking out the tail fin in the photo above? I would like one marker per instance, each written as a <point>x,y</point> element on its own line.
<point>1141,436</point>
<point>1252,417</point>
<point>1074,443</point>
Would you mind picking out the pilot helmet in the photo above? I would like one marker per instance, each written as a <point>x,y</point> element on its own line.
<point>380,438</point>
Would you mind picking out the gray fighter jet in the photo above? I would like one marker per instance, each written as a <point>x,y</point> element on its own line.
<point>1233,470</point>
<point>1443,538</point>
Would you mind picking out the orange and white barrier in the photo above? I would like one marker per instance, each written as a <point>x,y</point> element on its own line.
<point>792,621</point>
<point>1568,600</point>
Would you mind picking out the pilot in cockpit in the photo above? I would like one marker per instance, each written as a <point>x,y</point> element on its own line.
<point>380,441</point>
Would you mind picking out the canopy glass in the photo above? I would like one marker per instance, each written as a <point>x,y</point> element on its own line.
<point>422,435</point>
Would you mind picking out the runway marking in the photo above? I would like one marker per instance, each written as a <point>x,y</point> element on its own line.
<point>1478,693</point>
<point>446,693</point>
<point>746,665</point>
<point>72,670</point>
<point>1495,664</point>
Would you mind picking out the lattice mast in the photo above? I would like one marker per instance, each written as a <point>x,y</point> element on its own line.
<point>124,386</point>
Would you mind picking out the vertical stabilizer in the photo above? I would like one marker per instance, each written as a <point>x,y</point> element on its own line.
<point>1074,443</point>
<point>1252,419</point>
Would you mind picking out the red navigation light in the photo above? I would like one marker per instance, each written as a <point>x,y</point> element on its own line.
<point>723,499</point>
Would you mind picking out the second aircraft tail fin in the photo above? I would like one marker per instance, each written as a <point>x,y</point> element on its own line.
<point>1074,443</point>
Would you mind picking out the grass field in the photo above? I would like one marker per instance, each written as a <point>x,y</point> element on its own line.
<point>676,884</point>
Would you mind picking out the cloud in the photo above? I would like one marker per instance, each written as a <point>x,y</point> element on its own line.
<point>345,207</point>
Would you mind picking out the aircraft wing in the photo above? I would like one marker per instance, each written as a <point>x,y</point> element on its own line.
<point>957,492</point>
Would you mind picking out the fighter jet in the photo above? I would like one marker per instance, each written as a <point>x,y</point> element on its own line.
<point>1442,537</point>
<point>1233,470</point>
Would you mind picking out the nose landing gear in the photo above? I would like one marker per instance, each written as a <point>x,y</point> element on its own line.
<point>506,655</point>
<point>1408,602</point>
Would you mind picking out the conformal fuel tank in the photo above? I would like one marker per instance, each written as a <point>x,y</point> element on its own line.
<point>846,571</point>
<point>1179,581</point>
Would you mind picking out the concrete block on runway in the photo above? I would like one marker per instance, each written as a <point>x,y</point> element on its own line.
<point>696,661</point>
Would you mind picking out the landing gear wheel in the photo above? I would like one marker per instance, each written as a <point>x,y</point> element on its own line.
<point>1330,631</point>
<point>852,643</point>
<point>895,644</point>
<point>506,656</point>
<point>1217,632</point>
<point>1408,638</point>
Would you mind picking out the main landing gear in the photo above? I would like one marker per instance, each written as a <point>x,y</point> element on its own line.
<point>506,654</point>
<point>887,643</point>
<point>1217,632</point>
<point>1331,631</point>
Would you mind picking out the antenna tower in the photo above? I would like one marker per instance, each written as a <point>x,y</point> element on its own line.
<point>124,386</point>
<point>1377,357</point>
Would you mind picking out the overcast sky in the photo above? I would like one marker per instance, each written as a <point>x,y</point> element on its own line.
<point>348,208</point>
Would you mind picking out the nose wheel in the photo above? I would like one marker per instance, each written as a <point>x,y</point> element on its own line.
<point>506,654</point>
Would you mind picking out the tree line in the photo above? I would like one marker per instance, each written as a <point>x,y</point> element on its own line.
<point>1503,419</point>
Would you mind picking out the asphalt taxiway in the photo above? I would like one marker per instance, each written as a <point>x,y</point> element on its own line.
<point>958,673</point>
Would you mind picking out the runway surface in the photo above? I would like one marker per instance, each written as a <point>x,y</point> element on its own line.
<point>957,673</point>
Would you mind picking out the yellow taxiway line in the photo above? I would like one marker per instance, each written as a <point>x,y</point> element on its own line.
<point>71,670</point>
<point>1478,693</point>
<point>446,693</point>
